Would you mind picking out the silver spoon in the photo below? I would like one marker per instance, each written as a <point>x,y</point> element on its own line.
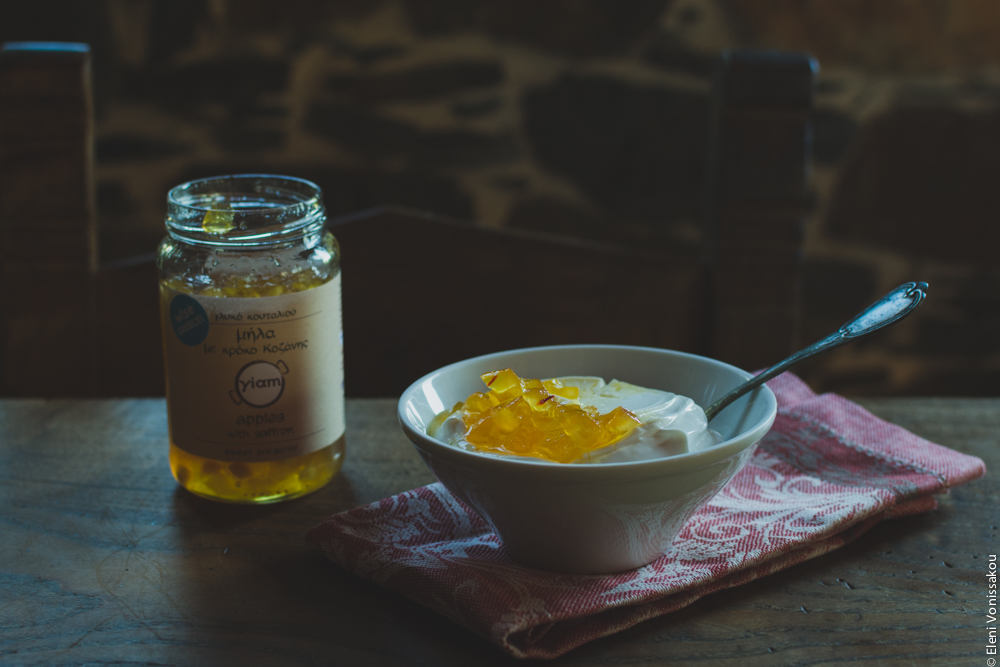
<point>891,308</point>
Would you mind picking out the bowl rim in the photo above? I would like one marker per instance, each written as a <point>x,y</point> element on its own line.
<point>624,470</point>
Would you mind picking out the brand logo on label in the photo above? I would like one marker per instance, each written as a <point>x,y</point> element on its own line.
<point>260,383</point>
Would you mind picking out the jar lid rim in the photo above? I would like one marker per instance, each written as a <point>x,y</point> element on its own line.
<point>254,210</point>
<point>311,193</point>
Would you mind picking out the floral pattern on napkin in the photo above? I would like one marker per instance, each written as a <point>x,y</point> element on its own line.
<point>827,472</point>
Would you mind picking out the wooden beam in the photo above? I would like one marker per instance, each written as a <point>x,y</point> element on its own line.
<point>47,219</point>
<point>759,161</point>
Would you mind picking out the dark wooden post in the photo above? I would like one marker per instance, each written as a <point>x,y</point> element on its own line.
<point>759,166</point>
<point>47,221</point>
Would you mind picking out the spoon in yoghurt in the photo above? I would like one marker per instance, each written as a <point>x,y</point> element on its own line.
<point>890,309</point>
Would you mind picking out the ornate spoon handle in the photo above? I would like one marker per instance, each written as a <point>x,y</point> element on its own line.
<point>891,308</point>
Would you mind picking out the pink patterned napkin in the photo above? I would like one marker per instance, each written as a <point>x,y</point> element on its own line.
<point>826,473</point>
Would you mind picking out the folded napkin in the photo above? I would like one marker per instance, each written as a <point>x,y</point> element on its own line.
<point>827,472</point>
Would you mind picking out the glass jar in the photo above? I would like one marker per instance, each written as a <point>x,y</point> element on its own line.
<point>252,338</point>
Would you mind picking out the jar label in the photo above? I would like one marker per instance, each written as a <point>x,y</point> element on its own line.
<point>254,379</point>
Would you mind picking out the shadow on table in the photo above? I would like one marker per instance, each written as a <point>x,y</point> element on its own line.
<point>256,588</point>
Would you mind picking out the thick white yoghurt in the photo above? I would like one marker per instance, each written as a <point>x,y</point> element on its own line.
<point>670,424</point>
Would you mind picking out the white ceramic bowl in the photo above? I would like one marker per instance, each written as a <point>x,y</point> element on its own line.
<point>593,518</point>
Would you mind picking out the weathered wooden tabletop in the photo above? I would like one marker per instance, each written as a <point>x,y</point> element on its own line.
<point>104,560</point>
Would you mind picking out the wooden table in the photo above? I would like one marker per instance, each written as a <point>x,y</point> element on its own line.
<point>103,559</point>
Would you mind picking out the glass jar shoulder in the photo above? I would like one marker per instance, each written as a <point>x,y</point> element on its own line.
<point>270,270</point>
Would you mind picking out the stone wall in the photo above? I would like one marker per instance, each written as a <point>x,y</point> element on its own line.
<point>578,117</point>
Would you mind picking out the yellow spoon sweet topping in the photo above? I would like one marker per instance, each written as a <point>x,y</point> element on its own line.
<point>522,417</point>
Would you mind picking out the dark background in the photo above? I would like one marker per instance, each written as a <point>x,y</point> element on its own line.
<point>584,118</point>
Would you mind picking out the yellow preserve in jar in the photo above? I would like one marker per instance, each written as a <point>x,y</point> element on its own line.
<point>252,338</point>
